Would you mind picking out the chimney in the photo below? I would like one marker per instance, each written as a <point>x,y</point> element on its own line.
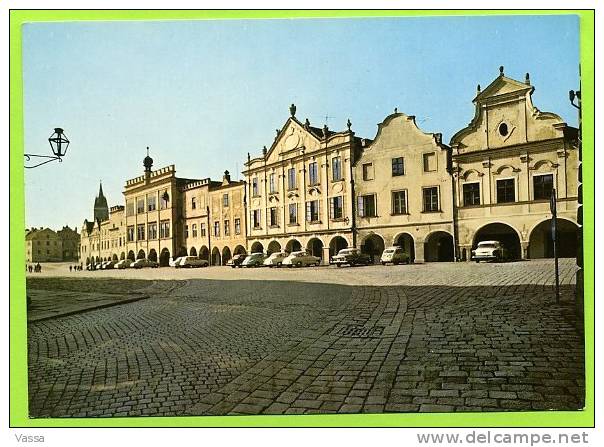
<point>226,178</point>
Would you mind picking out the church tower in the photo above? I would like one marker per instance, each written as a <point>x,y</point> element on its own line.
<point>101,210</point>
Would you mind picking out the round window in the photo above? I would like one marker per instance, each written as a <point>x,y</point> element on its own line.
<point>503,129</point>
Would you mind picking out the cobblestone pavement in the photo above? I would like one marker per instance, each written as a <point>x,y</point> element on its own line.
<point>451,337</point>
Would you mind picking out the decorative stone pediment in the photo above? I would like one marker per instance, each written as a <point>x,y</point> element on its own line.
<point>314,191</point>
<point>273,198</point>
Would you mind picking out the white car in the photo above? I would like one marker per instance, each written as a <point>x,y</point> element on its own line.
<point>394,255</point>
<point>191,261</point>
<point>490,251</point>
<point>301,259</point>
<point>276,259</point>
<point>254,260</point>
<point>173,262</point>
<point>123,264</point>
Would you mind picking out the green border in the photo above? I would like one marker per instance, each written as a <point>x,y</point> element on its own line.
<point>18,323</point>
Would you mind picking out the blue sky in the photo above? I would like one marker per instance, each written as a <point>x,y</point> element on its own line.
<point>202,94</point>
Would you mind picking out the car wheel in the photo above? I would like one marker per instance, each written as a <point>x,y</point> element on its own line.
<point>383,263</point>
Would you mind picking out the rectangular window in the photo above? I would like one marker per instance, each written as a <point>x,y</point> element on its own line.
<point>140,205</point>
<point>255,186</point>
<point>312,211</point>
<point>237,225</point>
<point>293,213</point>
<point>163,201</point>
<point>151,202</point>
<point>273,215</point>
<point>140,232</point>
<point>368,171</point>
<point>186,231</point>
<point>256,218</point>
<point>227,228</point>
<point>336,169</point>
<point>291,178</point>
<point>542,186</point>
<point>471,194</point>
<point>313,174</point>
<point>398,166</point>
<point>193,203</point>
<point>216,229</point>
<point>271,184</point>
<point>506,190</point>
<point>202,230</point>
<point>430,199</point>
<point>430,162</point>
<point>194,230</point>
<point>225,200</point>
<point>366,206</point>
<point>151,231</point>
<point>164,229</point>
<point>129,208</point>
<point>399,202</point>
<point>336,207</point>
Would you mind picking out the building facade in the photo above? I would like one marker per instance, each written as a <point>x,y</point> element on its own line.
<point>300,190</point>
<point>404,192</point>
<point>215,219</point>
<point>506,163</point>
<point>43,245</point>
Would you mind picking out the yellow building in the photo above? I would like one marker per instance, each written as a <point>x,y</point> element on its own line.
<point>215,219</point>
<point>299,190</point>
<point>506,163</point>
<point>404,192</point>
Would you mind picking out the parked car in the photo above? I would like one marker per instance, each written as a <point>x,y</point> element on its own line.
<point>395,255</point>
<point>123,264</point>
<point>351,257</point>
<point>173,262</point>
<point>142,263</point>
<point>109,264</point>
<point>191,261</point>
<point>254,260</point>
<point>236,260</point>
<point>98,265</point>
<point>301,259</point>
<point>490,251</point>
<point>276,259</point>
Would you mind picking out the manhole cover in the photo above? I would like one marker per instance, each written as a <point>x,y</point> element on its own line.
<point>354,331</point>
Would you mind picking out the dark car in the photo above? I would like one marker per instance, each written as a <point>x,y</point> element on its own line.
<point>350,256</point>
<point>236,260</point>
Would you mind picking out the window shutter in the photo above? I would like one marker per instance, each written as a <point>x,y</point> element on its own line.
<point>360,206</point>
<point>331,208</point>
<point>308,213</point>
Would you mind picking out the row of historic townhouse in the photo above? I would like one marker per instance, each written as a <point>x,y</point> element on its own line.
<point>322,190</point>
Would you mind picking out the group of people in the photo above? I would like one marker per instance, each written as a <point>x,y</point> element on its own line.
<point>76,268</point>
<point>33,268</point>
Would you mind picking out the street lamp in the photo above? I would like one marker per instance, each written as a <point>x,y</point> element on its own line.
<point>58,144</point>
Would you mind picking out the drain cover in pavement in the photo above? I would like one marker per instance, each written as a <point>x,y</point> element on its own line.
<point>354,331</point>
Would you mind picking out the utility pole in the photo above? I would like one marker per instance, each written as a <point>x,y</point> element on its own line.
<point>552,206</point>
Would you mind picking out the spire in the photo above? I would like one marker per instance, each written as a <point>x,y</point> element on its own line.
<point>101,188</point>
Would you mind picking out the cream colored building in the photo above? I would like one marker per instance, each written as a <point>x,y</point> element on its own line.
<point>43,245</point>
<point>404,192</point>
<point>300,190</point>
<point>215,219</point>
<point>505,164</point>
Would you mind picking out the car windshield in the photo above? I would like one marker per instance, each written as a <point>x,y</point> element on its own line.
<point>389,250</point>
<point>346,252</point>
<point>487,245</point>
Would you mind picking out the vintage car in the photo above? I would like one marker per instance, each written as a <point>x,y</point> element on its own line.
<point>351,257</point>
<point>254,260</point>
<point>123,264</point>
<point>173,262</point>
<point>191,262</point>
<point>394,255</point>
<point>142,263</point>
<point>301,259</point>
<point>276,259</point>
<point>490,251</point>
<point>236,260</point>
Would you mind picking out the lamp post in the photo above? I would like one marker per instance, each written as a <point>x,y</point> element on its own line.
<point>58,145</point>
<point>572,95</point>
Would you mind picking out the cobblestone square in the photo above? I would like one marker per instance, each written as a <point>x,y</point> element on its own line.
<point>439,337</point>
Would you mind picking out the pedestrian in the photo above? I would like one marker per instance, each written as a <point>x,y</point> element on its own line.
<point>30,268</point>
<point>70,269</point>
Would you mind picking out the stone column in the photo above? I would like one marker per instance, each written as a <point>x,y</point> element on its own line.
<point>419,251</point>
<point>524,250</point>
<point>325,260</point>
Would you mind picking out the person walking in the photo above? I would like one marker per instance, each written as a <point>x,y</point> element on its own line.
<point>70,267</point>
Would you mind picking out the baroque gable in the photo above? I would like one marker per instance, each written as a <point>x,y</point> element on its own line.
<point>505,116</point>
